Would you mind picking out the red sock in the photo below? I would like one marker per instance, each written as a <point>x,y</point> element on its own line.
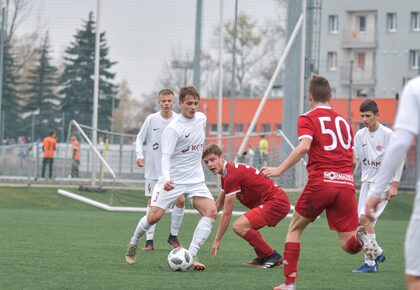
<point>353,246</point>
<point>291,257</point>
<point>261,247</point>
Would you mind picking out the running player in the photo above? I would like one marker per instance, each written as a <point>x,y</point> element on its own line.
<point>327,138</point>
<point>150,134</point>
<point>182,172</point>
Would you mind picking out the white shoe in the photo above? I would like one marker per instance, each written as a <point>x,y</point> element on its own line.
<point>368,248</point>
<point>286,287</point>
<point>130,256</point>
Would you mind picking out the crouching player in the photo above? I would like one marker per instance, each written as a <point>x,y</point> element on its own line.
<point>267,202</point>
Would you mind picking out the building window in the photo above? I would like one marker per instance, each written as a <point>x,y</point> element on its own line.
<point>225,129</point>
<point>266,128</point>
<point>278,126</point>
<point>213,128</point>
<point>361,59</point>
<point>415,21</point>
<point>414,59</point>
<point>333,24</point>
<point>332,60</point>
<point>361,23</point>
<point>391,22</point>
<point>239,129</point>
<point>255,128</point>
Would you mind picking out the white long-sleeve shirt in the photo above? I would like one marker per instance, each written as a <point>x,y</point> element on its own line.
<point>150,134</point>
<point>182,148</point>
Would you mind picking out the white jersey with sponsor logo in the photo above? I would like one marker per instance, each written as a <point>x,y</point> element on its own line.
<point>150,134</point>
<point>370,149</point>
<point>183,140</point>
<point>408,118</point>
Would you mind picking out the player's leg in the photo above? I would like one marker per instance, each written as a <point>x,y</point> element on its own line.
<point>161,200</point>
<point>412,255</point>
<point>176,220</point>
<point>202,201</point>
<point>150,184</point>
<point>267,257</point>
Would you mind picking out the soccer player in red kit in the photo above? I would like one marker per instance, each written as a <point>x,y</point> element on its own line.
<point>327,138</point>
<point>267,202</point>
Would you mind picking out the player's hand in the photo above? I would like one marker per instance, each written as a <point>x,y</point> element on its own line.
<point>215,248</point>
<point>168,186</point>
<point>392,192</point>
<point>270,171</point>
<point>371,207</point>
<point>140,162</point>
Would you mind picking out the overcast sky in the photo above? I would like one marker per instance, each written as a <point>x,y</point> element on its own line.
<point>141,34</point>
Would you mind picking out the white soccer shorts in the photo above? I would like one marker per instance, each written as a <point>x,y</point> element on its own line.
<point>412,249</point>
<point>149,185</point>
<point>165,199</point>
<point>363,196</point>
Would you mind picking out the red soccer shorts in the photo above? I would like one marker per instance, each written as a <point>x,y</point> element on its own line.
<point>339,204</point>
<point>271,211</point>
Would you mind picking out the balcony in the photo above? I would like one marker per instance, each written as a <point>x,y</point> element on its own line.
<point>357,39</point>
<point>364,76</point>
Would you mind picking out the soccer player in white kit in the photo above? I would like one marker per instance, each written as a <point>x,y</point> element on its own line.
<point>370,145</point>
<point>406,127</point>
<point>182,172</point>
<point>150,134</point>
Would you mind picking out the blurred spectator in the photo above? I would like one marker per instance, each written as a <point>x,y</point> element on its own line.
<point>75,155</point>
<point>263,150</point>
<point>49,146</point>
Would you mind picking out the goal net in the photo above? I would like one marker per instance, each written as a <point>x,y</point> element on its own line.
<point>108,176</point>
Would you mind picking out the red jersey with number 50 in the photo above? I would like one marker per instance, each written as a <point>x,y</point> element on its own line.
<point>331,152</point>
<point>251,187</point>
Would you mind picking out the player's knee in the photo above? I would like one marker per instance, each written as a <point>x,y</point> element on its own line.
<point>239,228</point>
<point>154,216</point>
<point>211,213</point>
<point>180,201</point>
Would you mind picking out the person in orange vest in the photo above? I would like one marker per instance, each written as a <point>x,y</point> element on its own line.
<point>49,145</point>
<point>75,155</point>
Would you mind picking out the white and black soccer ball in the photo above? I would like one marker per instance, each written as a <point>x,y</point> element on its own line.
<point>180,259</point>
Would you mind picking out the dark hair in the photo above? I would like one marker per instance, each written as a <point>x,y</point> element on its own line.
<point>188,91</point>
<point>369,105</point>
<point>212,149</point>
<point>51,133</point>
<point>165,92</point>
<point>320,89</point>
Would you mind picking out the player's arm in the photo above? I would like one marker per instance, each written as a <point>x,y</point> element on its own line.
<point>141,138</point>
<point>228,206</point>
<point>169,139</point>
<point>396,150</point>
<point>220,201</point>
<point>393,189</point>
<point>297,154</point>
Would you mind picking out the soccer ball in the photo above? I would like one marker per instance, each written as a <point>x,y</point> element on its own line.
<point>180,259</point>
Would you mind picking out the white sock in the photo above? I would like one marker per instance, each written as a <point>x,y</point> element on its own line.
<point>141,228</point>
<point>151,232</point>
<point>372,240</point>
<point>201,233</point>
<point>176,219</point>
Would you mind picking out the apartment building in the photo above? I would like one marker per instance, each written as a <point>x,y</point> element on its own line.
<point>369,47</point>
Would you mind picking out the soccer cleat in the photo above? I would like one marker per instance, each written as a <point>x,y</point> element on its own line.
<point>368,248</point>
<point>271,261</point>
<point>255,262</point>
<point>173,241</point>
<point>148,246</point>
<point>197,266</point>
<point>381,258</point>
<point>130,256</point>
<point>365,268</point>
<point>286,287</point>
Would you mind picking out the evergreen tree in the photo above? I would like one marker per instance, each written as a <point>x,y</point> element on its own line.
<point>78,78</point>
<point>11,100</point>
<point>41,94</point>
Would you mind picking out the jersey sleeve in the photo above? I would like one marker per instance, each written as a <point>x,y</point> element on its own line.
<point>305,128</point>
<point>409,108</point>
<point>141,138</point>
<point>232,184</point>
<point>357,146</point>
<point>169,139</point>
